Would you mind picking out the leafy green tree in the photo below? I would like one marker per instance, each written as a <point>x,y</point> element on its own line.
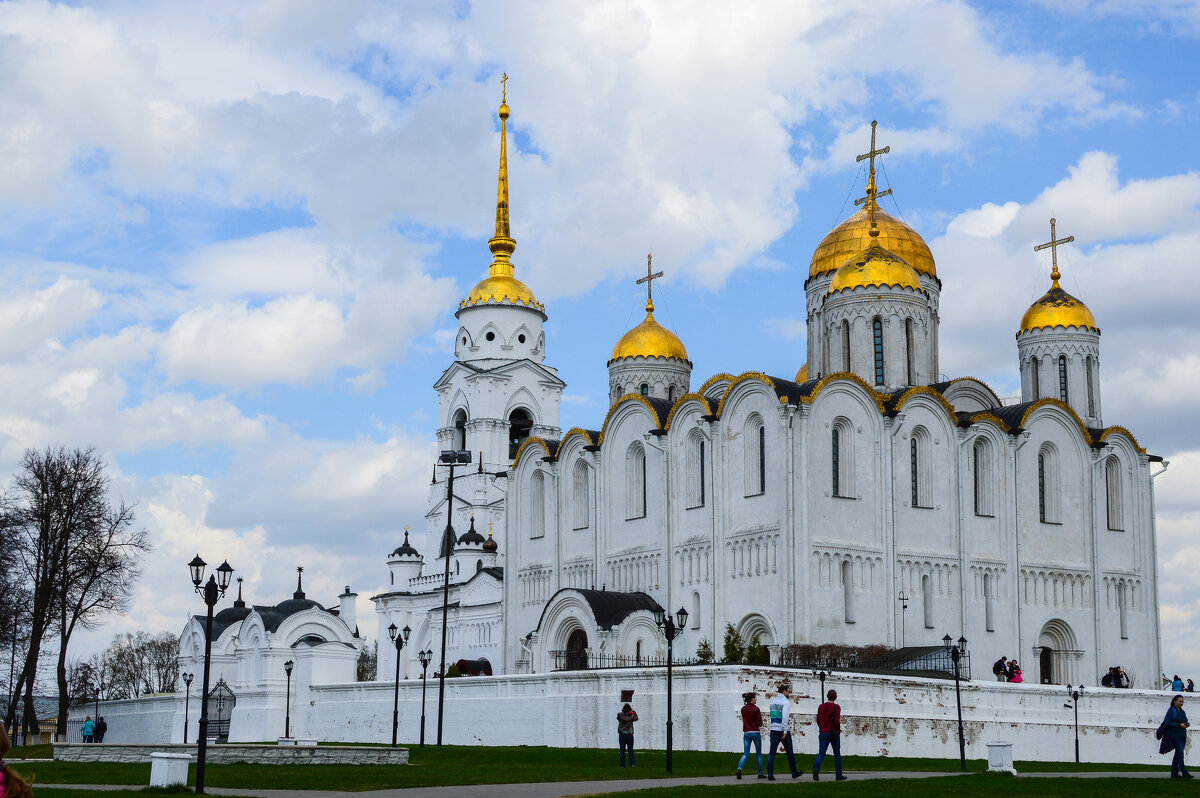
<point>735,649</point>
<point>704,653</point>
<point>756,652</point>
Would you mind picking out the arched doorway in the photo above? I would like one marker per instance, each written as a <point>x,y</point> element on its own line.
<point>1046,665</point>
<point>577,643</point>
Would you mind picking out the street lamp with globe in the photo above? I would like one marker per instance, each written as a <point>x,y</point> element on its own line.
<point>211,591</point>
<point>399,640</point>
<point>671,628</point>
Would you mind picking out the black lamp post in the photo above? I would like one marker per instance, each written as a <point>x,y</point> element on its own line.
<point>399,640</point>
<point>956,653</point>
<point>99,690</point>
<point>287,702</point>
<point>902,597</point>
<point>424,657</point>
<point>449,458</point>
<point>1075,692</point>
<point>821,674</point>
<point>187,700</point>
<point>212,591</point>
<point>670,630</point>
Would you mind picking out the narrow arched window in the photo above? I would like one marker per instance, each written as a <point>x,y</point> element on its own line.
<point>671,393</point>
<point>519,425</point>
<point>580,499</point>
<point>537,505</point>
<point>927,600</point>
<point>755,438</point>
<point>845,346</point>
<point>635,483</point>
<point>914,467</point>
<point>848,590</point>
<point>989,602</point>
<point>700,471</point>
<point>1091,391</point>
<point>877,333</point>
<point>982,482</point>
<point>1042,487</point>
<point>695,619</point>
<point>1033,378</point>
<point>1112,484</point>
<point>460,430</point>
<point>909,352</point>
<point>1123,609</point>
<point>762,459</point>
<point>1062,378</point>
<point>836,464</point>
<point>644,390</point>
<point>695,471</point>
<point>1048,486</point>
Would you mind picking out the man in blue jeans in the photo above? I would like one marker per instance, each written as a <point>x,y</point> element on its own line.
<point>780,710</point>
<point>829,729</point>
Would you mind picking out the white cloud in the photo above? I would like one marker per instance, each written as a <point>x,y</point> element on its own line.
<point>29,319</point>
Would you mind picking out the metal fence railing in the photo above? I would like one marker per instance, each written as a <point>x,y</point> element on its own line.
<point>587,661</point>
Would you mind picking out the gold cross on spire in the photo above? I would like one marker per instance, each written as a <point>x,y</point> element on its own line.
<point>1053,244</point>
<point>649,281</point>
<point>872,193</point>
<point>504,88</point>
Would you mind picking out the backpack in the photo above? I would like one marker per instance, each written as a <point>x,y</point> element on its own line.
<point>998,667</point>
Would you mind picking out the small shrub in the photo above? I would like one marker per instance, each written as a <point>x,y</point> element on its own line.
<point>734,648</point>
<point>704,653</point>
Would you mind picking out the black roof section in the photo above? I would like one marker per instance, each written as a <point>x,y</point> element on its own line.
<point>405,549</point>
<point>611,607</point>
<point>471,537</point>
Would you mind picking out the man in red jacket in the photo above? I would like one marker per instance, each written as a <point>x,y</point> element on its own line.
<point>829,728</point>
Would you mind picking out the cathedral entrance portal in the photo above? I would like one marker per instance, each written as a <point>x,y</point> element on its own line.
<point>1046,665</point>
<point>577,644</point>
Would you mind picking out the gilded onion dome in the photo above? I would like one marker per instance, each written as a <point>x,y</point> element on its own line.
<point>500,286</point>
<point>875,266</point>
<point>1057,308</point>
<point>650,339</point>
<point>802,375</point>
<point>853,236</point>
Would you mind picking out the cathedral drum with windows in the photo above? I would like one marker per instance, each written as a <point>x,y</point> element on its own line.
<point>797,510</point>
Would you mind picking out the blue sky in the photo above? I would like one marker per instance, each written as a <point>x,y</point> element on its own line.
<point>232,237</point>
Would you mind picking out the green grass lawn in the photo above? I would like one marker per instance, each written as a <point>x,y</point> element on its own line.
<point>977,785</point>
<point>457,765</point>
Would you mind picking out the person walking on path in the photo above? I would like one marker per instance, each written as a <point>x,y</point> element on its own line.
<point>780,710</point>
<point>88,730</point>
<point>1000,669</point>
<point>101,729</point>
<point>625,720</point>
<point>751,732</point>
<point>829,732</point>
<point>1174,728</point>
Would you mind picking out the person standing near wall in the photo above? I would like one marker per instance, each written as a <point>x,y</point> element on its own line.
<point>751,732</point>
<point>780,710</point>
<point>625,720</point>
<point>829,732</point>
<point>101,729</point>
<point>1174,737</point>
<point>88,730</point>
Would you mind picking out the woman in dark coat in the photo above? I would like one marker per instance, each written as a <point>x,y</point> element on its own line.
<point>1175,726</point>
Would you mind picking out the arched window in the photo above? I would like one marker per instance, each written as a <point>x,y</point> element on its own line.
<point>908,351</point>
<point>695,470</point>
<point>1048,490</point>
<point>1112,483</point>
<point>989,602</point>
<point>537,505</point>
<point>635,483</point>
<point>644,390</point>
<point>877,335</point>
<point>981,462</point>
<point>460,430</point>
<point>519,425</point>
<point>671,393</point>
<point>755,437</point>
<point>1033,378</point>
<point>1123,609</point>
<point>920,473</point>
<point>580,499</point>
<point>842,455</point>
<point>577,656</point>
<point>927,600</point>
<point>695,619</point>
<point>1090,388</point>
<point>1062,378</point>
<point>848,589</point>
<point>845,346</point>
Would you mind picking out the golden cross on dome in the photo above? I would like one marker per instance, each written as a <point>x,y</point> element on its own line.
<point>504,88</point>
<point>649,281</point>
<point>872,194</point>
<point>1053,244</point>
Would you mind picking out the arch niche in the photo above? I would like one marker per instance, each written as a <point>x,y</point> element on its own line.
<point>1057,653</point>
<point>756,624</point>
<point>577,644</point>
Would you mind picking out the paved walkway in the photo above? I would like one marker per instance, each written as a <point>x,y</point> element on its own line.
<point>568,789</point>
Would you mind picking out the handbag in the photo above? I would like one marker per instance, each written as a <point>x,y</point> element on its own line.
<point>1158,733</point>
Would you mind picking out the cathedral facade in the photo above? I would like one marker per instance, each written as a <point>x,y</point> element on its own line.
<point>867,499</point>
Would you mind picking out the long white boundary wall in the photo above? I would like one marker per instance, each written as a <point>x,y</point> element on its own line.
<point>884,715</point>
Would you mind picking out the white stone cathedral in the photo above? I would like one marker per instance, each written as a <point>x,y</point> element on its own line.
<point>867,500</point>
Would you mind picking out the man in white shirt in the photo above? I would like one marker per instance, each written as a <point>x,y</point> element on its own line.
<point>780,710</point>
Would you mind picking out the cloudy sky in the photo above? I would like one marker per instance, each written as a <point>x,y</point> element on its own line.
<point>232,235</point>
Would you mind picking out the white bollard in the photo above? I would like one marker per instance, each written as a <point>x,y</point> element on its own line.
<point>167,770</point>
<point>1000,757</point>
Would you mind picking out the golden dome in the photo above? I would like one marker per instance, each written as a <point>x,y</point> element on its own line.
<point>853,236</point>
<point>802,374</point>
<point>501,288</point>
<point>649,339</point>
<point>1057,308</point>
<point>875,266</point>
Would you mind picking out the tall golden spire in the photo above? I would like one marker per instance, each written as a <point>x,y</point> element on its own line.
<point>502,243</point>
<point>873,194</point>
